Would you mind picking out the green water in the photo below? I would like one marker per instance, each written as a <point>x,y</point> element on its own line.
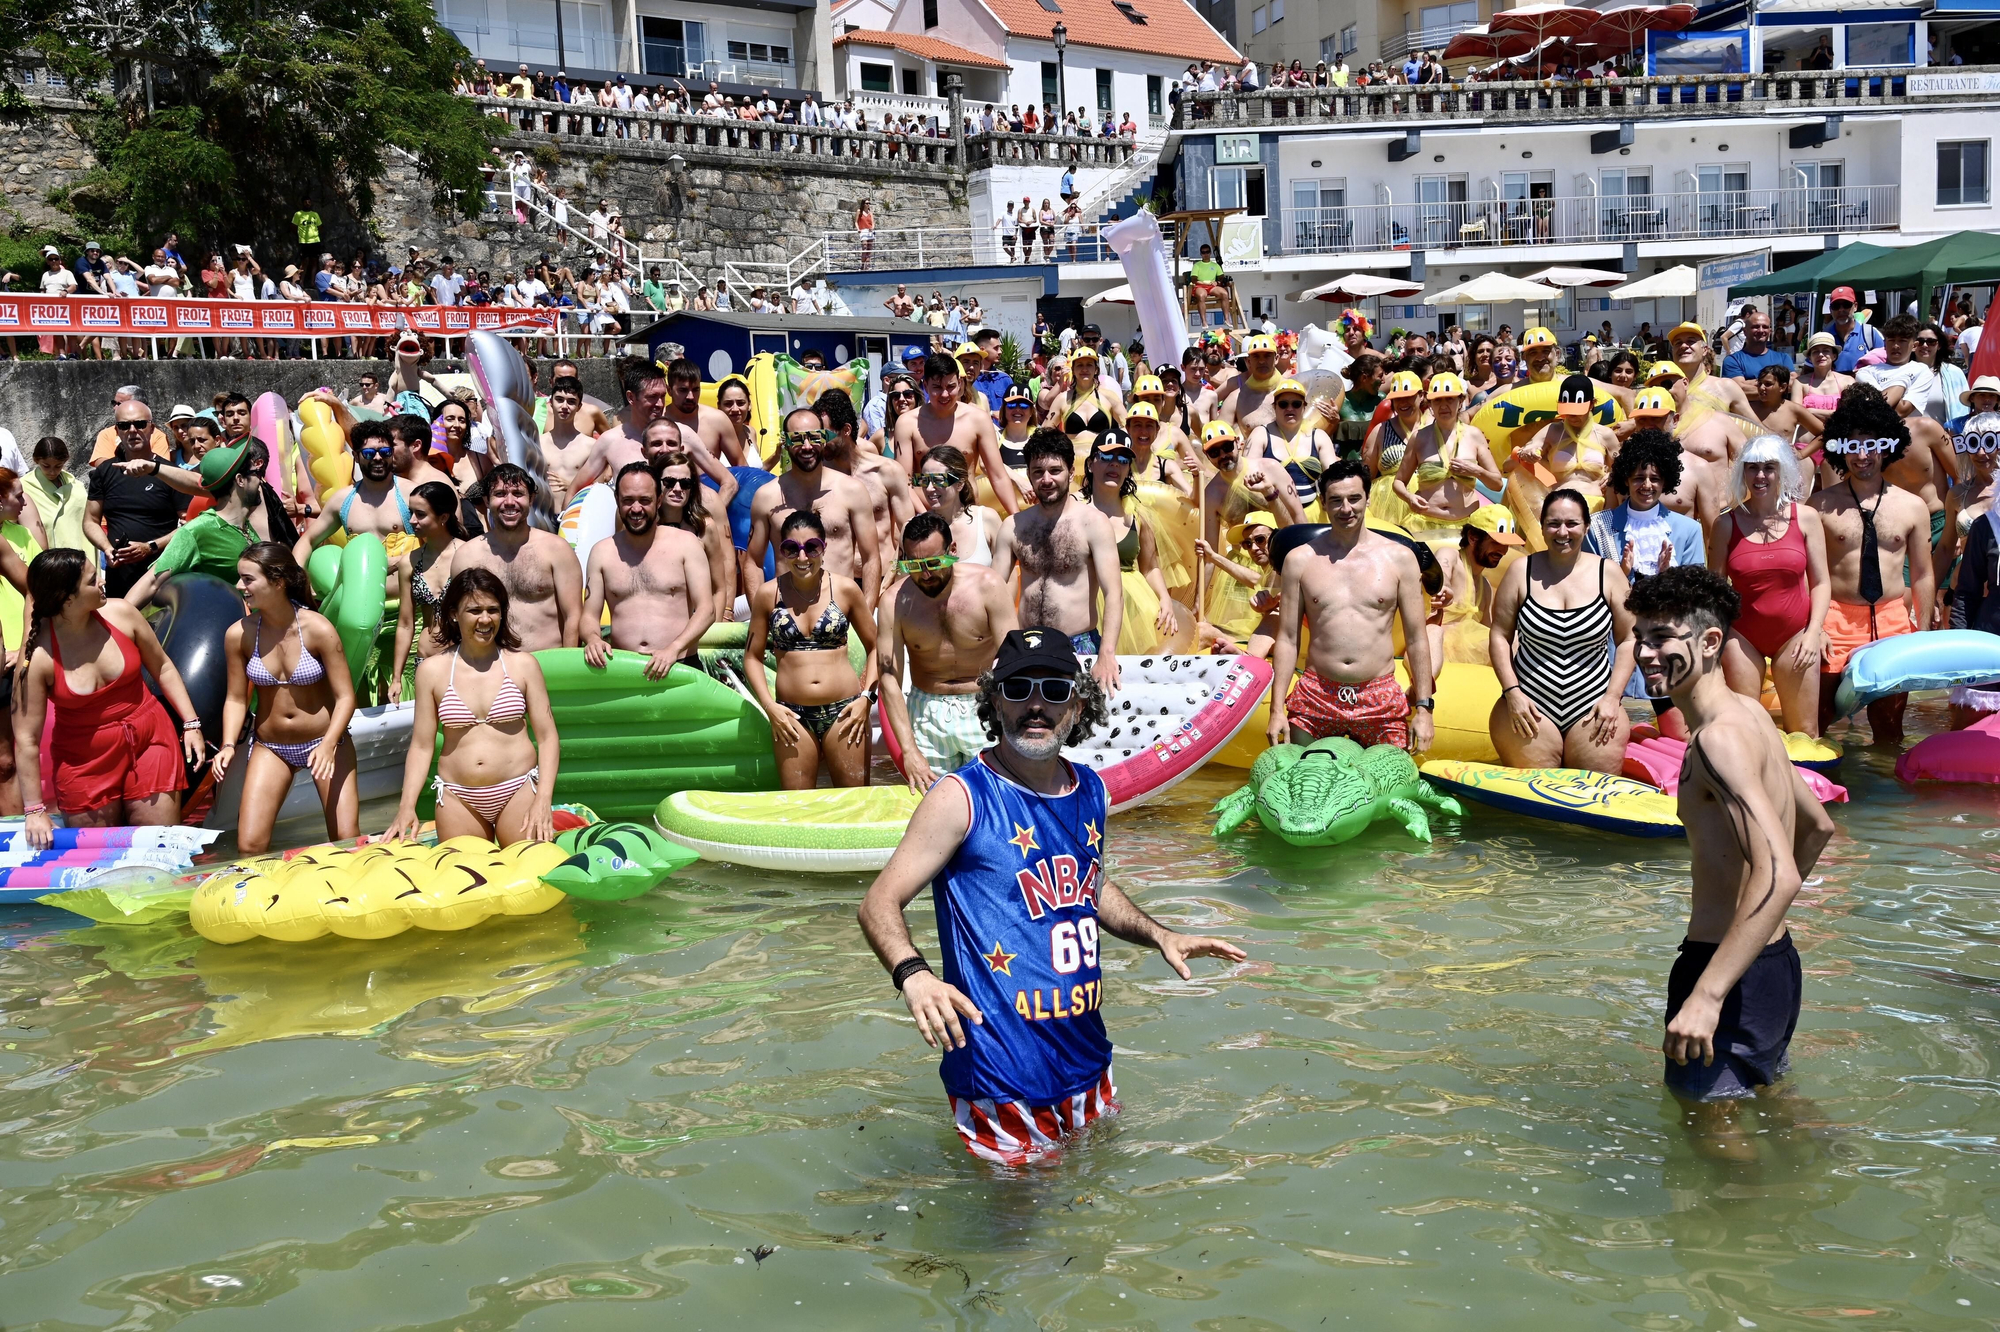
<point>1430,1100</point>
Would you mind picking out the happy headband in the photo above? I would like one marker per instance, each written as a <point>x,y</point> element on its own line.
<point>1846,446</point>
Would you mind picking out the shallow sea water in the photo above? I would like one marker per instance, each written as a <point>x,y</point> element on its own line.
<point>1431,1099</point>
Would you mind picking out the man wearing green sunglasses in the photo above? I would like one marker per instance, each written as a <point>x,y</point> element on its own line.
<point>950,618</point>
<point>841,502</point>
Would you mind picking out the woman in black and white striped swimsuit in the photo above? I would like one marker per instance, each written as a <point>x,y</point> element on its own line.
<point>1562,648</point>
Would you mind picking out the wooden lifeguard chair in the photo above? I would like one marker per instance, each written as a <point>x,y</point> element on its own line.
<point>1209,221</point>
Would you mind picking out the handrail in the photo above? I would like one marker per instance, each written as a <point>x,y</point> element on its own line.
<point>666,131</point>
<point>1613,98</point>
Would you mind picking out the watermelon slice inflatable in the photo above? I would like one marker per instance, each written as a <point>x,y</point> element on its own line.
<point>831,830</point>
<point>1171,714</point>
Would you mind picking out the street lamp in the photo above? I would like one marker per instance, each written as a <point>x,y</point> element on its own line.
<point>1060,36</point>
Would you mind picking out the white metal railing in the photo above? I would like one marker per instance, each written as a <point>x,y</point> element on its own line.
<point>1527,100</point>
<point>1113,189</point>
<point>747,275</point>
<point>1712,215</point>
<point>1411,40</point>
<point>879,104</point>
<point>900,248</point>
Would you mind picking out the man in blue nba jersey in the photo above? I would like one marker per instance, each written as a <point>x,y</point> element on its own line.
<point>1012,847</point>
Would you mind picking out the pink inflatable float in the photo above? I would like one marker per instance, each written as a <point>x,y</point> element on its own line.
<point>1970,755</point>
<point>1656,761</point>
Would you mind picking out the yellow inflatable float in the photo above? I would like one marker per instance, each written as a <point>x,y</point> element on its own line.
<point>372,892</point>
<point>1509,418</point>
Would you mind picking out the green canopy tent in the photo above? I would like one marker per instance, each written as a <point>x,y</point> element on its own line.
<point>1928,266</point>
<point>1821,273</point>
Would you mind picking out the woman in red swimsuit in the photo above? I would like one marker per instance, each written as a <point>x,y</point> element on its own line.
<point>1773,551</point>
<point>112,759</point>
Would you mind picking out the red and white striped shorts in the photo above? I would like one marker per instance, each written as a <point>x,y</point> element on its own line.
<point>1014,1133</point>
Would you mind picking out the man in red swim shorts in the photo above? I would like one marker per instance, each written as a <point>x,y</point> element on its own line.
<point>1873,530</point>
<point>1349,585</point>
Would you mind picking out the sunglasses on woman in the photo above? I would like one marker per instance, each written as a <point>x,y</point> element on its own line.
<point>1121,457</point>
<point>676,483</point>
<point>931,564</point>
<point>1053,688</point>
<point>812,548</point>
<point>945,480</point>
<point>902,393</point>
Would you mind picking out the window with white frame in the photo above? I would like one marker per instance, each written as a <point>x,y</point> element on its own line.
<point>1962,172</point>
<point>1822,175</point>
<point>1240,189</point>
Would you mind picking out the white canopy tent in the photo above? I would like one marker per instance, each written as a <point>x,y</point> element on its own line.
<point>1681,281</point>
<point>1494,289</point>
<point>1118,295</point>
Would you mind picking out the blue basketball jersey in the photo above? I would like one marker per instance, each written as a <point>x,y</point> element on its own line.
<point>1017,918</point>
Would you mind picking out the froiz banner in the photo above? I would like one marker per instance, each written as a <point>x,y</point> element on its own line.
<point>139,317</point>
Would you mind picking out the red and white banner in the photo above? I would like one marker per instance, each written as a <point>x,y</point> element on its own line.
<point>126,316</point>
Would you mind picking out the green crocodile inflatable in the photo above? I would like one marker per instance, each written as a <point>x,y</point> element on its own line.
<point>1330,790</point>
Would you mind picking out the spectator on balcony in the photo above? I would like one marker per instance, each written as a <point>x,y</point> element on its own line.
<point>724,298</point>
<point>864,232</point>
<point>1247,78</point>
<point>1072,225</point>
<point>1026,218</point>
<point>1005,226</point>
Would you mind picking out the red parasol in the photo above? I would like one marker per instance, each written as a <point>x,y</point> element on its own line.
<point>1542,22</point>
<point>1624,29</point>
<point>1480,44</point>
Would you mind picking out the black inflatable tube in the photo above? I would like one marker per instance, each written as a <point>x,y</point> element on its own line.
<point>1287,539</point>
<point>190,614</point>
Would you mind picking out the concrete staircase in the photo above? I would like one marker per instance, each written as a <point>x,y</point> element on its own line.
<point>1127,189</point>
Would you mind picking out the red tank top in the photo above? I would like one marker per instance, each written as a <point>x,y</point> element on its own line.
<point>82,715</point>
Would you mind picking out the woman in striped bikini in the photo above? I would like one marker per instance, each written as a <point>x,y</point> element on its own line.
<point>484,696</point>
<point>305,700</point>
<point>1562,649</point>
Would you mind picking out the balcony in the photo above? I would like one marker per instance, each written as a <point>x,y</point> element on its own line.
<point>1399,48</point>
<point>1610,220</point>
<point>1599,101</point>
<point>505,45</point>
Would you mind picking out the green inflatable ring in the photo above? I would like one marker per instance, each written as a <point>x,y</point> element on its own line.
<point>830,830</point>
<point>355,603</point>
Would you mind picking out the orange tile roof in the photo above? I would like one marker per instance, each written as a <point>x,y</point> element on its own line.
<point>1172,28</point>
<point>926,48</point>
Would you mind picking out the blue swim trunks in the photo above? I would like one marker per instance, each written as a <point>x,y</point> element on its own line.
<point>1753,1033</point>
<point>1086,644</point>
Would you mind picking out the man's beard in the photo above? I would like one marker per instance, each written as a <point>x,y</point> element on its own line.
<point>645,523</point>
<point>1035,750</point>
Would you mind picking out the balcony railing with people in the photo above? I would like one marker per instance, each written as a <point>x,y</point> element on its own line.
<point>1594,99</point>
<point>673,129</point>
<point>1060,150</point>
<point>897,248</point>
<point>1597,220</point>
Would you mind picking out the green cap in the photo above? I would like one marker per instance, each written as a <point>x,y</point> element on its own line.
<point>221,467</point>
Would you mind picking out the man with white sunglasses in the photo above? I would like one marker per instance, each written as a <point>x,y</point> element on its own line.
<point>1012,845</point>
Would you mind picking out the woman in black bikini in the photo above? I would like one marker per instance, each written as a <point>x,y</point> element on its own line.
<point>821,708</point>
<point>1084,411</point>
<point>420,578</point>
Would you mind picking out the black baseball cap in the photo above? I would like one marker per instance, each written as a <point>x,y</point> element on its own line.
<point>1025,650</point>
<point>1092,331</point>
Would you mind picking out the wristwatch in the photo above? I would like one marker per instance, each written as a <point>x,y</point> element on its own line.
<point>1429,703</point>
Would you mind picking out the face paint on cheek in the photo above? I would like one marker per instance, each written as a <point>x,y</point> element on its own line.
<point>1675,663</point>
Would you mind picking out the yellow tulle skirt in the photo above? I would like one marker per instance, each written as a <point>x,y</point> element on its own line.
<point>1138,635</point>
<point>1174,522</point>
<point>1229,607</point>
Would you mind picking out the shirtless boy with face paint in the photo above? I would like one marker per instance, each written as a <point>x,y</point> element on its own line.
<point>1756,831</point>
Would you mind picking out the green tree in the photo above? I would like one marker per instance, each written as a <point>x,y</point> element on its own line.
<point>220,117</point>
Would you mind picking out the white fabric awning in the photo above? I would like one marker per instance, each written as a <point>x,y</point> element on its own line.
<point>1678,281</point>
<point>1359,287</point>
<point>1493,289</point>
<point>1118,295</point>
<point>1560,276</point>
